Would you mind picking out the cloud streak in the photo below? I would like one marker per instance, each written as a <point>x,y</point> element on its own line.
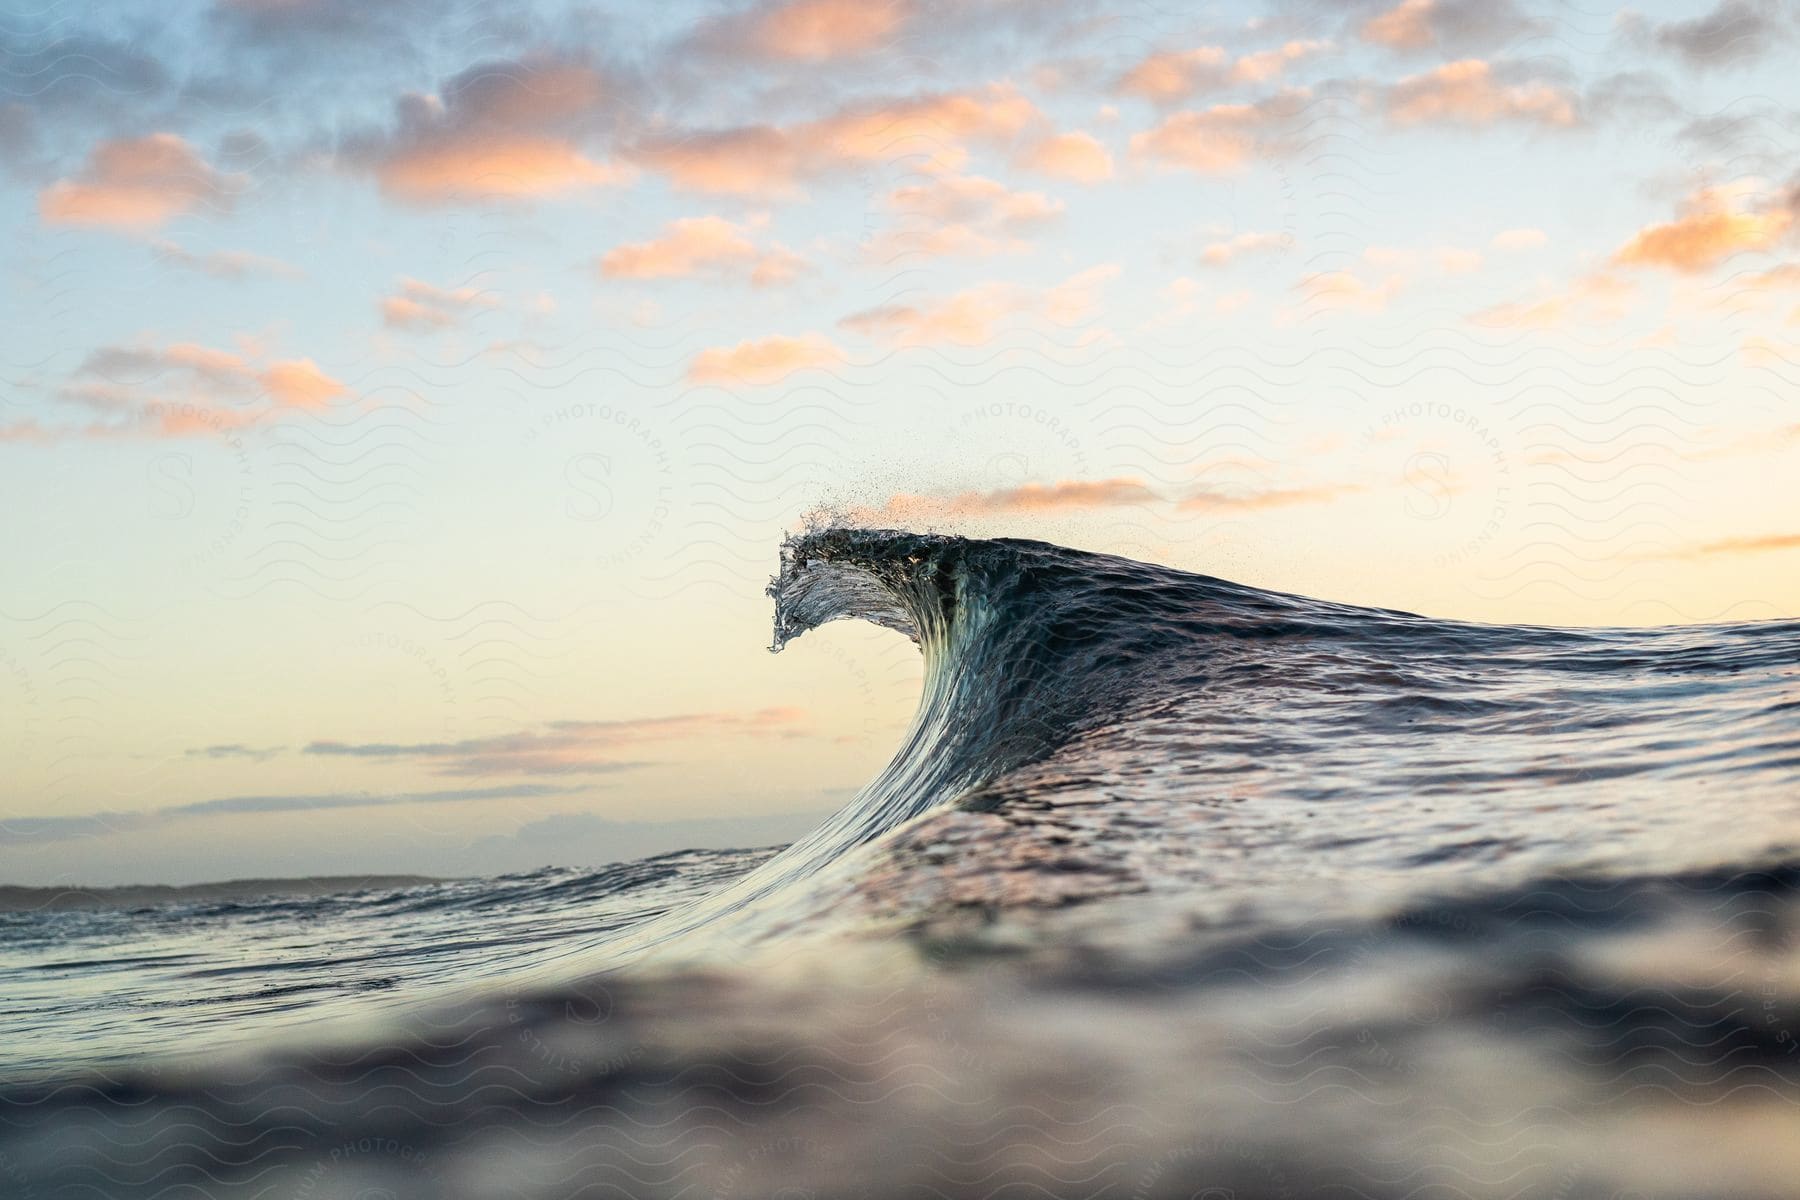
<point>1473,92</point>
<point>808,31</point>
<point>224,264</point>
<point>696,247</point>
<point>1766,544</point>
<point>1221,139</point>
<point>1072,495</point>
<point>235,750</point>
<point>1731,32</point>
<point>1172,76</point>
<point>973,317</point>
<point>761,361</point>
<point>775,160</point>
<point>30,830</point>
<point>565,747</point>
<point>1425,25</point>
<point>181,390</point>
<point>417,306</point>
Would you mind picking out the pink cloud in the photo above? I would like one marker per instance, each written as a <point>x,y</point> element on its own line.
<point>772,160</point>
<point>503,130</point>
<point>137,184</point>
<point>421,306</point>
<point>567,747</point>
<point>695,246</point>
<point>1406,26</point>
<point>1220,253</point>
<point>762,361</point>
<point>1258,500</point>
<point>1468,92</point>
<point>1170,76</point>
<point>1713,225</point>
<point>182,390</point>
<point>1059,496</point>
<point>814,30</point>
<point>298,383</point>
<point>962,215</point>
<point>972,316</point>
<point>1075,156</point>
<point>1220,139</point>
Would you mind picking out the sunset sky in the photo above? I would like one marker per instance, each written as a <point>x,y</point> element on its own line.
<point>403,403</point>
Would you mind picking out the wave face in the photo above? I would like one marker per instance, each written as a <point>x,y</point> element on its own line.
<point>1384,905</point>
<point>1326,746</point>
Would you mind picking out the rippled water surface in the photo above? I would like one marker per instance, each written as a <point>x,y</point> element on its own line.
<point>1175,887</point>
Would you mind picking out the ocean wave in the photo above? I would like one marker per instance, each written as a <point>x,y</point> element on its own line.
<point>1173,887</point>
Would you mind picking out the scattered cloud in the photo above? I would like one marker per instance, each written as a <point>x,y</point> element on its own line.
<point>1346,291</point>
<point>809,30</point>
<point>770,160</point>
<point>69,82</point>
<point>1265,65</point>
<point>1731,32</point>
<point>223,264</point>
<point>180,390</point>
<point>504,130</point>
<point>566,747</point>
<point>1221,253</point>
<point>1782,275</point>
<point>1713,224</point>
<point>1171,76</point>
<point>1077,494</point>
<point>421,306</point>
<point>298,383</point>
<point>1062,495</point>
<point>1260,499</point>
<point>1220,139</point>
<point>1420,25</point>
<point>137,184</point>
<point>1075,156</point>
<point>492,167</point>
<point>236,750</point>
<point>702,246</point>
<point>1407,26</point>
<point>1471,92</point>
<point>972,317</point>
<point>281,24</point>
<point>963,215</point>
<point>759,361</point>
<point>977,201</point>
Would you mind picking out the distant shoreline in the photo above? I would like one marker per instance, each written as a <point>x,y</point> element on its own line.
<point>45,899</point>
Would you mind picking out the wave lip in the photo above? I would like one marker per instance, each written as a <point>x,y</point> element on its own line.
<point>1025,646</point>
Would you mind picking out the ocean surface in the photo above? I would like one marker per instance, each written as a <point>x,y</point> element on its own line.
<point>1173,888</point>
